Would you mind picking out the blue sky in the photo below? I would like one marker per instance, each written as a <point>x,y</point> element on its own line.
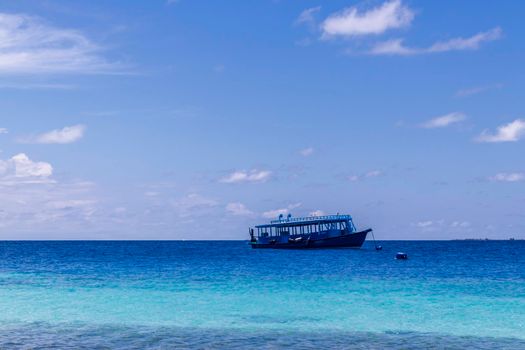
<point>196,119</point>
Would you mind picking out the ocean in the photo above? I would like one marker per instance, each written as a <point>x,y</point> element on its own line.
<point>224,295</point>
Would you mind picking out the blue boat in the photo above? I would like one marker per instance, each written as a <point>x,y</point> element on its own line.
<point>330,231</point>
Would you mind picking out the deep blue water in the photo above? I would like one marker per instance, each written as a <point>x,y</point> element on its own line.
<point>166,294</point>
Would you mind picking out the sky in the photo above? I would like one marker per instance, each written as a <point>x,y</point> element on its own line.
<point>197,119</point>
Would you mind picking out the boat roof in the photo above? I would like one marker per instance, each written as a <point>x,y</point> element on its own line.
<point>308,220</point>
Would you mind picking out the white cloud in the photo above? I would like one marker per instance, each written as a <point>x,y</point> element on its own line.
<point>31,86</point>
<point>69,203</point>
<point>3,131</point>
<point>237,208</point>
<point>352,22</point>
<point>307,151</point>
<point>477,90</point>
<point>252,176</point>
<point>65,135</point>
<point>274,214</point>
<point>392,47</point>
<point>31,206</point>
<point>29,45</point>
<point>25,167</point>
<point>471,43</point>
<point>396,46</point>
<point>317,213</point>
<point>444,120</point>
<point>510,132</point>
<point>370,174</point>
<point>424,224</point>
<point>21,168</point>
<point>151,193</point>
<point>192,204</point>
<point>433,225</point>
<point>508,177</point>
<point>373,173</point>
<point>460,224</point>
<point>308,16</point>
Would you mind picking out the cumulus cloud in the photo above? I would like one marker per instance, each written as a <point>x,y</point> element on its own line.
<point>237,208</point>
<point>20,168</point>
<point>444,120</point>
<point>396,46</point>
<point>29,45</point>
<point>274,214</point>
<point>307,152</point>
<point>510,132</point>
<point>352,22</point>
<point>25,167</point>
<point>68,134</point>
<point>243,176</point>
<point>508,177</point>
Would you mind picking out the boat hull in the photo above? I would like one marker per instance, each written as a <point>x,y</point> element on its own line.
<point>350,240</point>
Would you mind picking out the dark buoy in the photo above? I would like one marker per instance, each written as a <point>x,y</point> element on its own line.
<point>401,256</point>
<point>378,247</point>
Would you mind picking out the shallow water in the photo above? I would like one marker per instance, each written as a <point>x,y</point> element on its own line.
<point>453,294</point>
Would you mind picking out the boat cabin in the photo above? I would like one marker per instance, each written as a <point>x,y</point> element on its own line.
<point>312,225</point>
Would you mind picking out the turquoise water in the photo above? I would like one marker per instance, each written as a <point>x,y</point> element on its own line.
<point>225,295</point>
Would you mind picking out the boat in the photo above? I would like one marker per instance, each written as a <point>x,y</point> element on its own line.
<point>327,231</point>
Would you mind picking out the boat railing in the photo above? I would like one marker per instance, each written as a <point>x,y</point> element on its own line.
<point>313,218</point>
